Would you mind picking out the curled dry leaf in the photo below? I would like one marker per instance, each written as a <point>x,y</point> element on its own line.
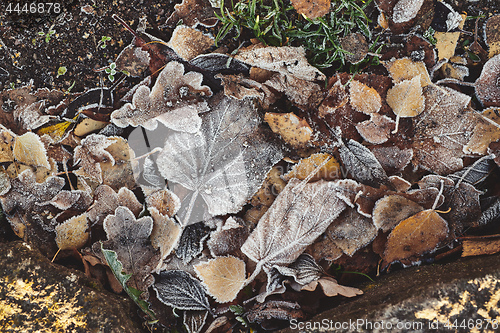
<point>297,217</point>
<point>312,9</point>
<point>29,149</point>
<point>304,270</point>
<point>240,87</point>
<point>285,59</point>
<point>337,97</point>
<point>391,210</point>
<point>165,201</point>
<point>191,242</point>
<point>90,153</point>
<point>275,309</point>
<point>223,277</point>
<point>73,233</point>
<point>294,130</point>
<point>332,288</point>
<point>122,172</point>
<point>189,43</point>
<point>165,234</point>
<point>486,131</point>
<point>363,98</point>
<point>414,236</point>
<point>175,100</point>
<point>303,169</point>
<point>216,171</point>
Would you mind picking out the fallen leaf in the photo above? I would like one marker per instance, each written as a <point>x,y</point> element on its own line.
<point>180,290</point>
<point>337,97</point>
<point>362,164</point>
<point>475,173</point>
<point>164,201</point>
<point>363,98</point>
<point>485,132</point>
<point>194,320</point>
<point>306,166</point>
<point>165,234</point>
<point>355,47</point>
<point>73,233</point>
<point>304,270</point>
<point>228,238</point>
<point>332,288</point>
<point>392,158</point>
<point>377,129</point>
<point>492,35</point>
<point>29,149</point>
<point>90,153</point>
<point>405,10</point>
<point>305,94</point>
<point>275,309</point>
<point>134,60</point>
<point>6,147</point>
<point>223,277</point>
<point>192,13</point>
<point>175,100</point>
<point>129,238</point>
<point>404,69</point>
<point>189,43</point>
<point>88,126</point>
<point>446,42</point>
<point>285,59</point>
<point>391,210</point>
<point>312,8</point>
<point>191,242</point>
<point>490,214</point>
<point>294,130</point>
<point>406,99</point>
<point>414,236</point>
<point>106,200</point>
<point>297,217</point>
<point>216,171</point>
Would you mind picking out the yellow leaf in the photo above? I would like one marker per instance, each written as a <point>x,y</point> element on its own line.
<point>293,130</point>
<point>330,171</point>
<point>406,69</point>
<point>363,98</point>
<point>486,131</point>
<point>72,234</point>
<point>223,277</point>
<point>29,149</point>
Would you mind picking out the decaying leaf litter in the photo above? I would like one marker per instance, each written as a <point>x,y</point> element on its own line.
<point>218,189</point>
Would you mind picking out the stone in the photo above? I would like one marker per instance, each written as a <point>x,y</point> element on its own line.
<point>37,295</point>
<point>418,299</point>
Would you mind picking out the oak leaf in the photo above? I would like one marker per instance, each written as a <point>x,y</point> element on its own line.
<point>223,277</point>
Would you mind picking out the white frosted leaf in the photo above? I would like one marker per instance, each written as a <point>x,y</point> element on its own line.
<point>405,10</point>
<point>29,149</point>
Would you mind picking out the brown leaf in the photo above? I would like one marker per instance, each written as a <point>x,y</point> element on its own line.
<point>486,131</point>
<point>363,98</point>
<point>192,13</point>
<point>228,238</point>
<point>406,69</point>
<point>165,201</point>
<point>332,288</point>
<point>73,233</point>
<point>446,42</point>
<point>6,147</point>
<point>406,99</point>
<point>294,130</point>
<point>306,166</point>
<point>418,234</point>
<point>189,43</point>
<point>392,209</point>
<point>305,94</point>
<point>122,172</point>
<point>312,8</point>
<point>392,158</point>
<point>89,155</point>
<point>239,87</point>
<point>337,97</point>
<point>476,246</point>
<point>166,232</point>
<point>356,46</point>
<point>223,277</point>
<point>106,200</point>
<point>377,129</point>
<point>134,60</point>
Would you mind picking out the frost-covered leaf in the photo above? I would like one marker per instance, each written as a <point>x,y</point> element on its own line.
<point>405,10</point>
<point>180,290</point>
<point>304,270</point>
<point>275,309</point>
<point>406,99</point>
<point>6,146</point>
<point>475,173</point>
<point>90,153</point>
<point>363,98</point>
<point>487,89</point>
<point>492,213</point>
<point>73,233</point>
<point>165,201</point>
<point>377,129</point>
<point>223,277</point>
<point>442,130</point>
<point>75,200</point>
<point>392,209</point>
<point>294,130</point>
<point>192,13</point>
<point>418,234</point>
<point>189,43</point>
<point>194,320</point>
<point>355,47</point>
<point>228,238</point>
<point>175,100</point>
<point>285,59</point>
<point>406,69</point>
<point>306,166</point>
<point>305,94</point>
<point>486,131</point>
<point>151,173</point>
<point>134,60</point>
<point>106,200</point>
<point>351,231</point>
<point>362,164</point>
<point>215,171</point>
<point>392,158</point>
<point>117,269</point>
<point>165,234</point>
<point>29,149</point>
<point>191,241</point>
<point>297,217</point>
<point>129,238</point>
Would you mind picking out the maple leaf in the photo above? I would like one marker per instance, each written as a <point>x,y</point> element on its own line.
<point>300,213</point>
<point>215,171</point>
<point>174,100</point>
<point>129,238</point>
<point>223,277</point>
<point>90,153</point>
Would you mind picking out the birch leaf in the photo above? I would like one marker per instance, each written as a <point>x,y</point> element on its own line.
<point>223,277</point>
<point>392,209</point>
<point>294,130</point>
<point>406,99</point>
<point>362,164</point>
<point>29,149</point>
<point>363,98</point>
<point>300,213</point>
<point>486,131</point>
<point>215,171</point>
<point>72,234</point>
<point>180,290</point>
